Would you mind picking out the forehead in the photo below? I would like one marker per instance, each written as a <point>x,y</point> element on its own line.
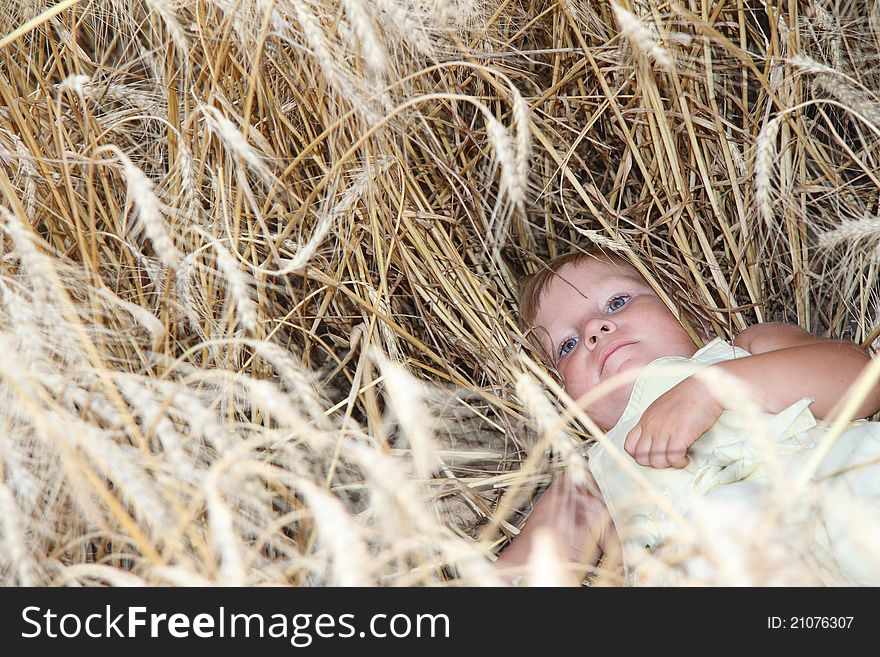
<point>584,279</point>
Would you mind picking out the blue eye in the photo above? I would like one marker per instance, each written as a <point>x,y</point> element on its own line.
<point>567,346</point>
<point>613,299</point>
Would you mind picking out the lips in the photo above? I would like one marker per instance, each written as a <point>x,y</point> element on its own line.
<point>610,349</point>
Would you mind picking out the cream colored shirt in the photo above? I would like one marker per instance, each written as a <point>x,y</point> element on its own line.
<point>734,514</point>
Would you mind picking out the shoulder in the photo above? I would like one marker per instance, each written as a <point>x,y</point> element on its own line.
<point>771,336</point>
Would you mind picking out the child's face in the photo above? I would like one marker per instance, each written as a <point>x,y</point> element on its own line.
<point>591,307</point>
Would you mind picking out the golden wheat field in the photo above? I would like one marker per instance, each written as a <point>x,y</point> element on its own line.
<point>260,261</point>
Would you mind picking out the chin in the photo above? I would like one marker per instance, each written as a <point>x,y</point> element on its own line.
<point>637,364</point>
<point>609,423</point>
<point>607,412</point>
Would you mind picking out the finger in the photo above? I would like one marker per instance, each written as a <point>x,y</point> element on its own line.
<point>642,450</point>
<point>657,457</point>
<point>676,452</point>
<point>632,439</point>
<point>678,459</point>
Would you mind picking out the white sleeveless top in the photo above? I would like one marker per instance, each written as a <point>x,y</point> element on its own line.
<point>737,469</point>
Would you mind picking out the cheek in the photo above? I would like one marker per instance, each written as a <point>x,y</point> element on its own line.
<point>665,328</point>
<point>574,379</point>
<point>674,335</point>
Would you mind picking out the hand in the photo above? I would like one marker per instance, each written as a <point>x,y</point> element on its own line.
<point>574,515</point>
<point>673,423</point>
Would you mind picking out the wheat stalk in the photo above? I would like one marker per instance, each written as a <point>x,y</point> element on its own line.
<point>234,140</point>
<point>841,86</point>
<point>407,399</point>
<point>641,36</point>
<point>765,152</point>
<point>143,197</point>
<point>523,122</point>
<point>374,53</point>
<point>239,288</point>
<point>15,546</point>
<point>178,36</point>
<point>850,230</point>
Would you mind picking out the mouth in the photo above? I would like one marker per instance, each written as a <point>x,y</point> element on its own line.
<point>610,350</point>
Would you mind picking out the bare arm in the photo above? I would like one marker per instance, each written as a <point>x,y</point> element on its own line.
<point>576,518</point>
<point>788,363</point>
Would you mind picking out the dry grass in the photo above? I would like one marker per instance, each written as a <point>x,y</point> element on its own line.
<point>218,216</point>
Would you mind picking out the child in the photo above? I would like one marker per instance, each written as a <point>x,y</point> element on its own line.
<point>594,316</point>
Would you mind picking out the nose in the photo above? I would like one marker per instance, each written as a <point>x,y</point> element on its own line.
<point>596,327</point>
